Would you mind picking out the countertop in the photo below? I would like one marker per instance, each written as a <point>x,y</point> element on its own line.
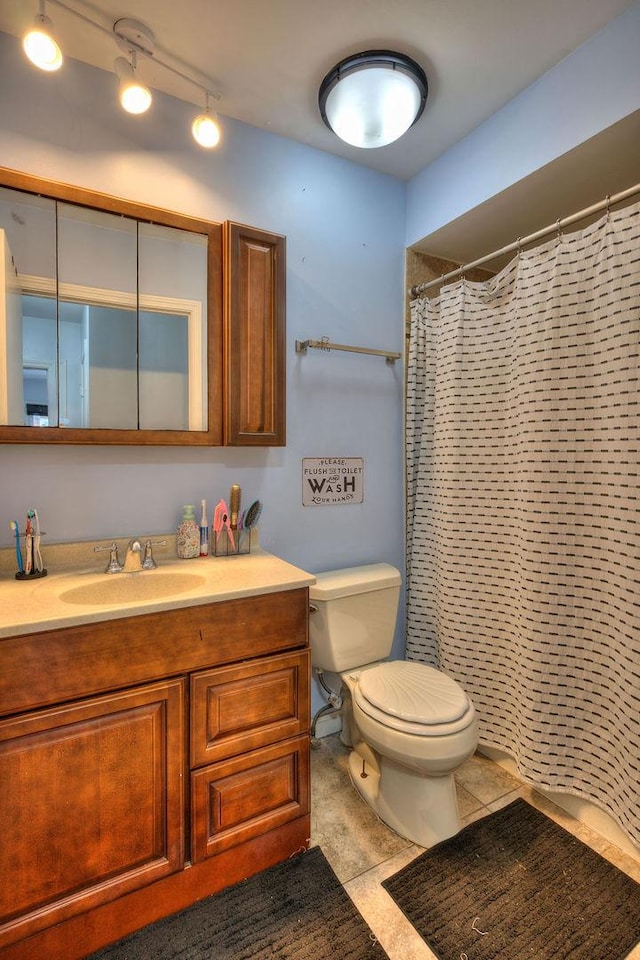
<point>36,606</point>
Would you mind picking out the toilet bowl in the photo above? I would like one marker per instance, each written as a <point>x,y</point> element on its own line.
<point>409,756</point>
<point>409,725</point>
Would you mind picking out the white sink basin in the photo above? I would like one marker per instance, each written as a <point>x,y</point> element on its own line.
<point>132,587</point>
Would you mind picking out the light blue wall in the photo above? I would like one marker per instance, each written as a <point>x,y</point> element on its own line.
<point>591,89</point>
<point>345,263</point>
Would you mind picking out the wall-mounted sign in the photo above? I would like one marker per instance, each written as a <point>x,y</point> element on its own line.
<point>331,480</point>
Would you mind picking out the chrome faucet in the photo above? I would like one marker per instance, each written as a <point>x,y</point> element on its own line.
<point>114,565</point>
<point>149,563</point>
<point>134,561</point>
<point>133,558</point>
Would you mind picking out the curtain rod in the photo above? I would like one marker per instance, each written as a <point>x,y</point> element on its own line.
<point>520,242</point>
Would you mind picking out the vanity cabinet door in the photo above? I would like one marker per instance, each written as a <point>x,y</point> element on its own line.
<point>255,321</point>
<point>244,706</point>
<point>91,804</point>
<point>246,796</point>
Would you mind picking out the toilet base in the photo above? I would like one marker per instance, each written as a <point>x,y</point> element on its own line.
<point>421,809</point>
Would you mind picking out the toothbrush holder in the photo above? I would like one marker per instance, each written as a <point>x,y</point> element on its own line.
<point>35,574</point>
<point>223,547</point>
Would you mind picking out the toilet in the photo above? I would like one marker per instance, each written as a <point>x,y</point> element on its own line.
<point>409,725</point>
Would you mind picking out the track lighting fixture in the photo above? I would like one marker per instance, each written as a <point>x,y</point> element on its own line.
<point>40,45</point>
<point>136,40</point>
<point>205,128</point>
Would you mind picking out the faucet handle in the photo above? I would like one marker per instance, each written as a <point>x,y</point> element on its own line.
<point>114,565</point>
<point>149,563</point>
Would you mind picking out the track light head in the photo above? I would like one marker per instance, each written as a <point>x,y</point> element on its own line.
<point>40,45</point>
<point>134,96</point>
<point>206,130</point>
<point>133,37</point>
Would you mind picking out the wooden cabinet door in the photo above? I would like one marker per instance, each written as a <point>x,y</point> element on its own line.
<point>244,706</point>
<point>255,324</point>
<point>91,804</point>
<point>246,796</point>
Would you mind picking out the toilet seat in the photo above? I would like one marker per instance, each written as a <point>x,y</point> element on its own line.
<point>413,698</point>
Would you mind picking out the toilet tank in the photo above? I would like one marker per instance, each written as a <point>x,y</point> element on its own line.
<point>353,616</point>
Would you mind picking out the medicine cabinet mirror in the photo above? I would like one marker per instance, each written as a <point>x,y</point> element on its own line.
<point>111,327</point>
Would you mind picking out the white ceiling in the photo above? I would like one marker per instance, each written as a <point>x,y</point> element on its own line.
<point>267,58</point>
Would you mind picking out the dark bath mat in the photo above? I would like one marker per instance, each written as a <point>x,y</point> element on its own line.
<point>515,884</point>
<point>296,910</point>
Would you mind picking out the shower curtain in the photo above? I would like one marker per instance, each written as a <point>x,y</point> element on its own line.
<point>523,449</point>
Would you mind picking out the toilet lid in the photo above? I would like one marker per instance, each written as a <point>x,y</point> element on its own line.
<point>413,697</point>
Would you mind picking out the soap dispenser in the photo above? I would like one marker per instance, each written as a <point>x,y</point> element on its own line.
<point>188,535</point>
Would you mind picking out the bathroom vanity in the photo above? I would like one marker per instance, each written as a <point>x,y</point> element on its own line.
<point>151,752</point>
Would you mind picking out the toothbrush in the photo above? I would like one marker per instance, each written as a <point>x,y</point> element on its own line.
<point>28,536</point>
<point>13,524</point>
<point>37,556</point>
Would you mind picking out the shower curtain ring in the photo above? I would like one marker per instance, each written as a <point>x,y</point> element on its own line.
<point>559,229</point>
<point>608,199</point>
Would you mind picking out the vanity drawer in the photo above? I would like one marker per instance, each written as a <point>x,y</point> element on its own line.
<point>249,705</point>
<point>241,798</point>
<point>73,662</point>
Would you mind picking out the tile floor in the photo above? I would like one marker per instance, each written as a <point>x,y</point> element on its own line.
<point>363,851</point>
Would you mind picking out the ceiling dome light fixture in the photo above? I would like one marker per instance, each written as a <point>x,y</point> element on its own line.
<point>205,128</point>
<point>371,99</point>
<point>40,45</point>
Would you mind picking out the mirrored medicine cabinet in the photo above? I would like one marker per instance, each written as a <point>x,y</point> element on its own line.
<point>123,323</point>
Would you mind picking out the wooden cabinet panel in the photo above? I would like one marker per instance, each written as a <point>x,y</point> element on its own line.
<point>91,805</point>
<point>59,665</point>
<point>255,337</point>
<point>241,798</point>
<point>239,708</point>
